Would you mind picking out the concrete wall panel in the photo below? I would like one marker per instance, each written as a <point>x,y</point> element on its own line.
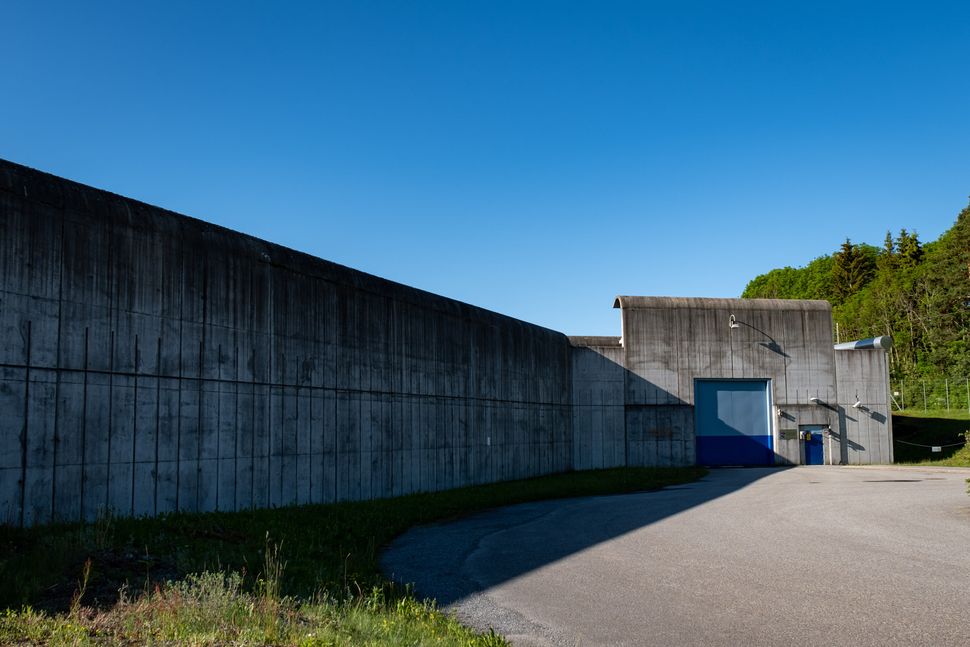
<point>598,396</point>
<point>864,432</point>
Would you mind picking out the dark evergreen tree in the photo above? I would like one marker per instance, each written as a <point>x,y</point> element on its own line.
<point>852,270</point>
<point>887,257</point>
<point>910,249</point>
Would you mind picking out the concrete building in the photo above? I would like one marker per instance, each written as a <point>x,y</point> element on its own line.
<point>727,382</point>
<point>151,362</point>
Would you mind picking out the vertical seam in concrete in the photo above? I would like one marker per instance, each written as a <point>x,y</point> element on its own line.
<point>57,374</point>
<point>235,436</point>
<point>158,421</point>
<point>112,319</point>
<point>218,426</point>
<point>271,355</point>
<point>23,432</point>
<point>111,388</point>
<point>268,411</point>
<point>254,338</point>
<point>134,430</point>
<point>252,435</point>
<point>199,432</point>
<point>84,418</point>
<point>198,429</point>
<point>355,488</point>
<point>321,436</point>
<point>296,440</point>
<point>307,423</point>
<point>178,418</point>
<point>269,429</point>
<point>282,425</point>
<point>625,354</point>
<point>334,396</point>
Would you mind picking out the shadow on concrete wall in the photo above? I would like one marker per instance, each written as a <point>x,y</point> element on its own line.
<point>770,344</point>
<point>620,418</point>
<point>453,561</point>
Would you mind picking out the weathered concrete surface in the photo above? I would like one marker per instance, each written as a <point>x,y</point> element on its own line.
<point>152,362</point>
<point>802,556</point>
<point>864,374</point>
<point>599,424</point>
<point>669,342</point>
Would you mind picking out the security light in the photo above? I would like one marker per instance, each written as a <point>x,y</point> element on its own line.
<point>734,322</point>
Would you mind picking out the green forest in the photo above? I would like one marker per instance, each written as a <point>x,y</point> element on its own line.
<point>917,292</point>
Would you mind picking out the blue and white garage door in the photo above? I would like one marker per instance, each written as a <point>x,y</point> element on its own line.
<point>732,422</point>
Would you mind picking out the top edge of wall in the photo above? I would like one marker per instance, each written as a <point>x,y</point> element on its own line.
<point>64,194</point>
<point>594,341</point>
<point>644,303</point>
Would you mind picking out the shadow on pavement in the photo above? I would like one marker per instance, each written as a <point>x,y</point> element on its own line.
<point>451,561</point>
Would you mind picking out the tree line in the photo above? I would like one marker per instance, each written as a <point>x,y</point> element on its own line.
<point>916,292</point>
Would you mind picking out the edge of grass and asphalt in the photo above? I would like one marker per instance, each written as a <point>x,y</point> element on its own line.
<point>306,575</point>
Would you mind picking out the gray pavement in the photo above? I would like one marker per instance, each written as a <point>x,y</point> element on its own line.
<point>803,556</point>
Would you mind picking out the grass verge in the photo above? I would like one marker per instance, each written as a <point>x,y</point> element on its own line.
<point>916,431</point>
<point>305,575</point>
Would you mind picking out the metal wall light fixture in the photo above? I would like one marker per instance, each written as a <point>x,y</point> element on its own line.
<point>734,322</point>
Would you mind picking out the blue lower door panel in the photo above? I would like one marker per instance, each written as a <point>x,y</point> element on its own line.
<point>813,449</point>
<point>734,450</point>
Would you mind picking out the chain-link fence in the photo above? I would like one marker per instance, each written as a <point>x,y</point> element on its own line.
<point>931,394</point>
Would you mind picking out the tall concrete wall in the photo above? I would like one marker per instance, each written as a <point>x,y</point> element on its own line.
<point>150,362</point>
<point>599,424</point>
<point>867,429</point>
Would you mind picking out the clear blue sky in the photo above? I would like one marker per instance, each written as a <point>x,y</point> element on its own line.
<point>534,158</point>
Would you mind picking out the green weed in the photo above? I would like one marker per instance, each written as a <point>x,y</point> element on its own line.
<point>81,588</point>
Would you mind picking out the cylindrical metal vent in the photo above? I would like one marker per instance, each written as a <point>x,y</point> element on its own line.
<point>885,343</point>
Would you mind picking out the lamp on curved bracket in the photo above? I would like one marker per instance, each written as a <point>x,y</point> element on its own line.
<point>734,322</point>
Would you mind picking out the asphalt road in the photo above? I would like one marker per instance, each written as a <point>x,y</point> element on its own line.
<point>803,556</point>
